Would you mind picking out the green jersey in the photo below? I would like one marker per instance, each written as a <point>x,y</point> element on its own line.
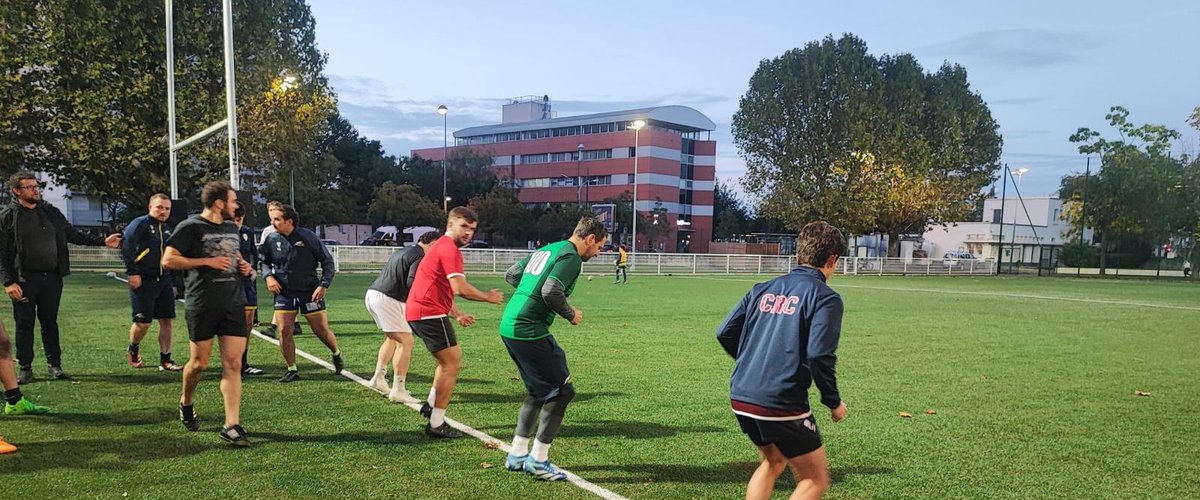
<point>528,316</point>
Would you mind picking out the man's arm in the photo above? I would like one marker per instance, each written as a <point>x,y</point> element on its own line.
<point>513,275</point>
<point>129,245</point>
<point>328,265</point>
<point>73,235</point>
<point>729,334</point>
<point>8,248</point>
<point>175,261</point>
<point>555,296</point>
<point>467,291</point>
<point>824,332</point>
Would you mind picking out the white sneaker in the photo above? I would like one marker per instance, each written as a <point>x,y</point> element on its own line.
<point>378,384</point>
<point>401,396</point>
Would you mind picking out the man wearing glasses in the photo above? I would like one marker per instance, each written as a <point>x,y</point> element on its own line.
<point>33,260</point>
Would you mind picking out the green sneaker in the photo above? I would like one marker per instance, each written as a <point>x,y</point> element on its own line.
<point>24,407</point>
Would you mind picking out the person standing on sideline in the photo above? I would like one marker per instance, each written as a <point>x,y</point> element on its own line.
<point>14,402</point>
<point>151,287</point>
<point>205,246</point>
<point>33,261</point>
<point>269,329</point>
<point>783,336</point>
<point>543,281</point>
<point>440,276</point>
<point>290,257</point>
<point>385,301</point>
<point>621,263</point>
<point>249,252</point>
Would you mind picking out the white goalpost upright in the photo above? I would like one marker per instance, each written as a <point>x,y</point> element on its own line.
<point>229,123</point>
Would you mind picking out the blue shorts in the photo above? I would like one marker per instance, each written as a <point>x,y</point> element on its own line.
<point>301,303</point>
<point>155,299</point>
<point>251,295</point>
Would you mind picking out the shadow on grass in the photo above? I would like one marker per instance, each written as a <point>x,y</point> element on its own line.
<point>734,473</point>
<point>630,429</point>
<point>141,377</point>
<point>515,397</point>
<point>122,453</point>
<point>134,416</point>
<point>407,438</point>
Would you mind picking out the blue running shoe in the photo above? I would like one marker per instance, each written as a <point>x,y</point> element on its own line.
<point>544,471</point>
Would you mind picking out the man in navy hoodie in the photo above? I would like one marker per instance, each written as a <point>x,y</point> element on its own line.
<point>783,335</point>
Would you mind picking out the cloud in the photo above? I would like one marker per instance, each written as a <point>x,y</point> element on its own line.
<point>1020,48</point>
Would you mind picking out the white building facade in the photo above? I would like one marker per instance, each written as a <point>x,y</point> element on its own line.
<point>1024,226</point>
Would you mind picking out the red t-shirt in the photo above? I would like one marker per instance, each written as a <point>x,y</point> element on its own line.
<point>431,295</point>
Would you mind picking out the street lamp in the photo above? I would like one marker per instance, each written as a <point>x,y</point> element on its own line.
<point>285,84</point>
<point>578,179</point>
<point>444,111</point>
<point>1020,172</point>
<point>637,128</point>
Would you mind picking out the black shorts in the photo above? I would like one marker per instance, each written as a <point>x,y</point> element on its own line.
<point>293,302</point>
<point>438,333</point>
<point>792,437</point>
<point>542,364</point>
<point>155,299</point>
<point>205,324</point>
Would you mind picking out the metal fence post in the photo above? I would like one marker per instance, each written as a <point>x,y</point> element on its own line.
<point>659,271</point>
<point>693,263</point>
<point>727,259</point>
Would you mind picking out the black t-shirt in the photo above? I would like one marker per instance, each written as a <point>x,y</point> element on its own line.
<point>398,274</point>
<point>206,288</point>
<point>39,241</point>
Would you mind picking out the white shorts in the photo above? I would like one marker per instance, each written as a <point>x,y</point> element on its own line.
<point>388,312</point>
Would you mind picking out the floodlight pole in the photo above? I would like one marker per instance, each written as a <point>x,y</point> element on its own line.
<point>171,99</point>
<point>231,96</point>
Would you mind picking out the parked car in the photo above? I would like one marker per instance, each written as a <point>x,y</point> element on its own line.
<point>330,242</point>
<point>956,257</point>
<point>478,244</point>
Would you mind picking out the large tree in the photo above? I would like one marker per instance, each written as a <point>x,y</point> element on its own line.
<point>870,144</point>
<point>730,215</point>
<point>402,205</point>
<point>502,217</point>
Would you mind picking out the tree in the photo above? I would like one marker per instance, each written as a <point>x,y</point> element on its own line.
<point>402,205</point>
<point>869,144</point>
<point>468,174</point>
<point>364,166</point>
<point>729,213</point>
<point>502,217</point>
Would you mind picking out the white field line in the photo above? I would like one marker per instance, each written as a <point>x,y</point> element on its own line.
<point>480,435</point>
<point>986,294</point>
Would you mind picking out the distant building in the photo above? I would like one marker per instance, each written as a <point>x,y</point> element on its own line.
<point>1043,225</point>
<point>590,158</point>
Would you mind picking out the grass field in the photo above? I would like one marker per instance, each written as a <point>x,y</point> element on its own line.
<point>1032,382</point>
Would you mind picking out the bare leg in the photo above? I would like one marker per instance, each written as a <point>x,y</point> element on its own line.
<point>812,475</point>
<point>197,362</point>
<point>446,375</point>
<point>319,322</point>
<point>285,325</point>
<point>231,377</point>
<point>137,332</point>
<point>166,334</point>
<point>403,354</point>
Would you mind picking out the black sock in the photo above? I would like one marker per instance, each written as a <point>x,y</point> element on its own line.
<point>13,395</point>
<point>133,349</point>
<point>163,357</point>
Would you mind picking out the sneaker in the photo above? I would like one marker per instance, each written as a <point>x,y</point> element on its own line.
<point>515,463</point>
<point>134,359</point>
<point>401,397</point>
<point>56,373</point>
<point>297,329</point>
<point>250,370</point>
<point>24,407</point>
<point>426,410</point>
<point>379,384</point>
<point>544,471</point>
<point>338,364</point>
<point>187,415</point>
<point>443,431</point>
<point>169,366</point>
<point>5,447</point>
<point>235,435</point>
<point>290,376</point>
<point>268,330</point>
<point>26,375</point>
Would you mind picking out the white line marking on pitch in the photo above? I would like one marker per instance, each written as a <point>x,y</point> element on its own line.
<point>988,294</point>
<point>480,435</point>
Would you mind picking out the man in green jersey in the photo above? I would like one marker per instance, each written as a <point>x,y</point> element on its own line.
<point>543,281</point>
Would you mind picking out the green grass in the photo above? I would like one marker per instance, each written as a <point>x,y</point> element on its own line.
<point>1033,398</point>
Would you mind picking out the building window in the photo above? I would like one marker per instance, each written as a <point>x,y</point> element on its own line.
<point>996,216</point>
<point>538,158</point>
<point>536,183</point>
<point>1058,214</point>
<point>629,179</point>
<point>632,151</point>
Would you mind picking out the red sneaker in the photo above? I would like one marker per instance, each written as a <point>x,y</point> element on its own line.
<point>135,360</point>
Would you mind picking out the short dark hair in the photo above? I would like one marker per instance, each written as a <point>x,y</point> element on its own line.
<point>214,191</point>
<point>239,211</point>
<point>429,237</point>
<point>289,213</point>
<point>818,241</point>
<point>590,225</point>
<point>463,213</point>
<point>14,181</point>
<point>159,196</point>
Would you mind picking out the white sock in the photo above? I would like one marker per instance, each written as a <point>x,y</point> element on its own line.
<point>541,451</point>
<point>398,385</point>
<point>520,446</point>
<point>432,394</point>
<point>380,371</point>
<point>437,418</point>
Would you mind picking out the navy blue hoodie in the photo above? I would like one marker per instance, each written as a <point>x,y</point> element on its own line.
<point>782,336</point>
<point>142,247</point>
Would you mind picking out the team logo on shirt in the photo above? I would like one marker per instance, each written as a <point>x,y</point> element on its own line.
<point>299,244</point>
<point>778,304</point>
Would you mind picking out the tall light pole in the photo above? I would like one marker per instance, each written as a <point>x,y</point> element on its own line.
<point>1020,173</point>
<point>637,128</point>
<point>444,111</point>
<point>286,84</point>
<point>578,179</point>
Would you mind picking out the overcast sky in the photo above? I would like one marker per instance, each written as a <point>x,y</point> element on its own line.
<point>1045,68</point>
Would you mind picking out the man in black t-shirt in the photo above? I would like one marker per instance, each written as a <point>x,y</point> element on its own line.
<point>385,301</point>
<point>205,248</point>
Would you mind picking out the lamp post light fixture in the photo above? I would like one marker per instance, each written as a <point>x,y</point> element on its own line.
<point>637,128</point>
<point>444,111</point>
<point>1020,172</point>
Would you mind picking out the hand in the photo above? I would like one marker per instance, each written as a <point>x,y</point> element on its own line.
<point>273,285</point>
<point>219,263</point>
<point>253,274</point>
<point>578,318</point>
<point>113,240</point>
<point>838,413</point>
<point>135,281</point>
<point>244,267</point>
<point>494,296</point>
<point>318,294</point>
<point>14,292</point>
<point>466,320</point>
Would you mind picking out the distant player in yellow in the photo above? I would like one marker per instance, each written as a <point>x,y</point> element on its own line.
<point>622,263</point>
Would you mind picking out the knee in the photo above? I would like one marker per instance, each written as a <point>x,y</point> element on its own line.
<point>566,393</point>
<point>197,364</point>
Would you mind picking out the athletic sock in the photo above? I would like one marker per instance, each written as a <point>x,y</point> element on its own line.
<point>520,446</point>
<point>13,395</point>
<point>292,368</point>
<point>541,451</point>
<point>380,371</point>
<point>337,352</point>
<point>437,418</point>
<point>163,357</point>
<point>398,385</point>
<point>432,395</point>
<point>133,349</point>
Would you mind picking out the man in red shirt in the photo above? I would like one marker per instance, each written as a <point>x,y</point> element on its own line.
<point>430,305</point>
